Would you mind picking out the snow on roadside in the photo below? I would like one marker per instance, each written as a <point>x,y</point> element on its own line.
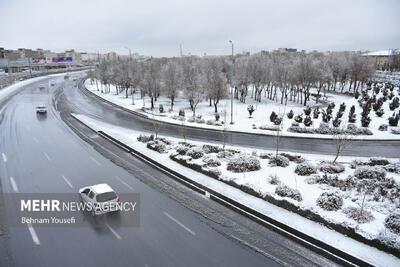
<point>242,122</point>
<point>370,254</point>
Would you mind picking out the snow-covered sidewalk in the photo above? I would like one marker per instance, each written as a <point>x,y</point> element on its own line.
<point>259,123</point>
<point>351,246</point>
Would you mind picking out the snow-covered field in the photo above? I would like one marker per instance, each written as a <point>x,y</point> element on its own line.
<point>268,178</point>
<point>260,118</point>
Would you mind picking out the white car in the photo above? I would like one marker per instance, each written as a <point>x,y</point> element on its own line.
<point>100,199</point>
<point>41,109</point>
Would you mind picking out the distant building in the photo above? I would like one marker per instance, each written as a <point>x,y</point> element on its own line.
<point>381,57</point>
<point>286,50</point>
<point>76,57</point>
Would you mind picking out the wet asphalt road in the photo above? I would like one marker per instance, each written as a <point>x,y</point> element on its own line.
<point>178,227</point>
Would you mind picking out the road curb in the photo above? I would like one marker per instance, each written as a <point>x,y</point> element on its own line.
<point>310,242</point>
<point>83,88</point>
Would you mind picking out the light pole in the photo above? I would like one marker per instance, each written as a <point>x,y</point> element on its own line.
<point>232,81</point>
<point>130,64</point>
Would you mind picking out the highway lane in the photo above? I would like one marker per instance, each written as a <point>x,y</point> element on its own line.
<point>44,155</point>
<point>87,104</point>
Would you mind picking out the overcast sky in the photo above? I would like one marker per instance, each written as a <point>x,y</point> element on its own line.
<point>157,28</point>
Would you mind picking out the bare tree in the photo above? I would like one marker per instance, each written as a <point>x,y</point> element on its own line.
<point>193,84</point>
<point>172,81</point>
<point>341,139</point>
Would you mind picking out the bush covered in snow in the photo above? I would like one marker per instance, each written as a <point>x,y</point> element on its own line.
<point>333,180</point>
<point>286,191</point>
<point>355,214</point>
<point>225,154</point>
<point>158,146</point>
<point>179,118</point>
<point>211,161</point>
<point>144,138</point>
<point>305,168</point>
<point>392,222</point>
<point>274,179</point>
<point>378,161</point>
<point>191,119</point>
<point>195,152</point>
<point>243,163</point>
<point>395,131</point>
<point>213,122</point>
<point>330,167</point>
<point>393,167</point>
<point>330,201</point>
<point>182,149</point>
<point>368,172</point>
<point>279,160</point>
<point>269,127</point>
<point>211,149</point>
<point>294,158</point>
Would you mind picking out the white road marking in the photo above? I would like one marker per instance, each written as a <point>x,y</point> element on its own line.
<point>95,161</point>
<point>35,139</point>
<point>34,236</point>
<point>179,223</point>
<point>127,185</point>
<point>47,156</point>
<point>4,157</point>
<point>114,232</point>
<point>68,182</point>
<point>14,184</point>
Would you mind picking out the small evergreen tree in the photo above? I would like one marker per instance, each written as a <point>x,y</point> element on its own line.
<point>290,114</point>
<point>316,113</point>
<point>307,111</point>
<point>307,121</point>
<point>273,116</point>
<point>250,109</point>
<point>352,115</point>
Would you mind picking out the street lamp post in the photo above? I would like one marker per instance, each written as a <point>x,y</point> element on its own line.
<point>232,81</point>
<point>130,64</point>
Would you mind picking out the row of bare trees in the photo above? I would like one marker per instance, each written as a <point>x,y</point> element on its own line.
<point>279,77</point>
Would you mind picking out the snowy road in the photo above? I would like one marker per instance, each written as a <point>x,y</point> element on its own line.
<point>177,226</point>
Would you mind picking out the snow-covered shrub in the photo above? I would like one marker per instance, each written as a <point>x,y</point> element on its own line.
<point>298,118</point>
<point>392,222</point>
<point>264,155</point>
<point>286,191</point>
<point>211,149</point>
<point>295,124</point>
<point>395,131</point>
<point>330,201</point>
<point>394,119</point>
<point>191,119</point>
<point>212,172</point>
<point>144,138</point>
<point>333,180</point>
<point>393,167</point>
<point>325,129</point>
<point>179,118</point>
<point>161,108</point>
<point>225,154</point>
<point>307,121</point>
<point>290,114</point>
<point>330,167</point>
<point>181,149</point>
<point>355,214</point>
<point>158,146</point>
<point>279,160</point>
<point>200,120</point>
<point>211,161</point>
<point>305,168</point>
<point>273,116</point>
<point>295,158</point>
<point>378,161</point>
<point>368,172</point>
<point>181,112</point>
<point>383,127</point>
<point>214,122</point>
<point>243,163</point>
<point>195,152</point>
<point>274,179</point>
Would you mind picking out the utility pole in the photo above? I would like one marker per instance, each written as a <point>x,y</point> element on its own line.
<point>30,69</point>
<point>232,81</point>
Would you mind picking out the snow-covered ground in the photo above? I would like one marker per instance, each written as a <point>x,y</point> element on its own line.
<point>260,181</point>
<point>242,122</point>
